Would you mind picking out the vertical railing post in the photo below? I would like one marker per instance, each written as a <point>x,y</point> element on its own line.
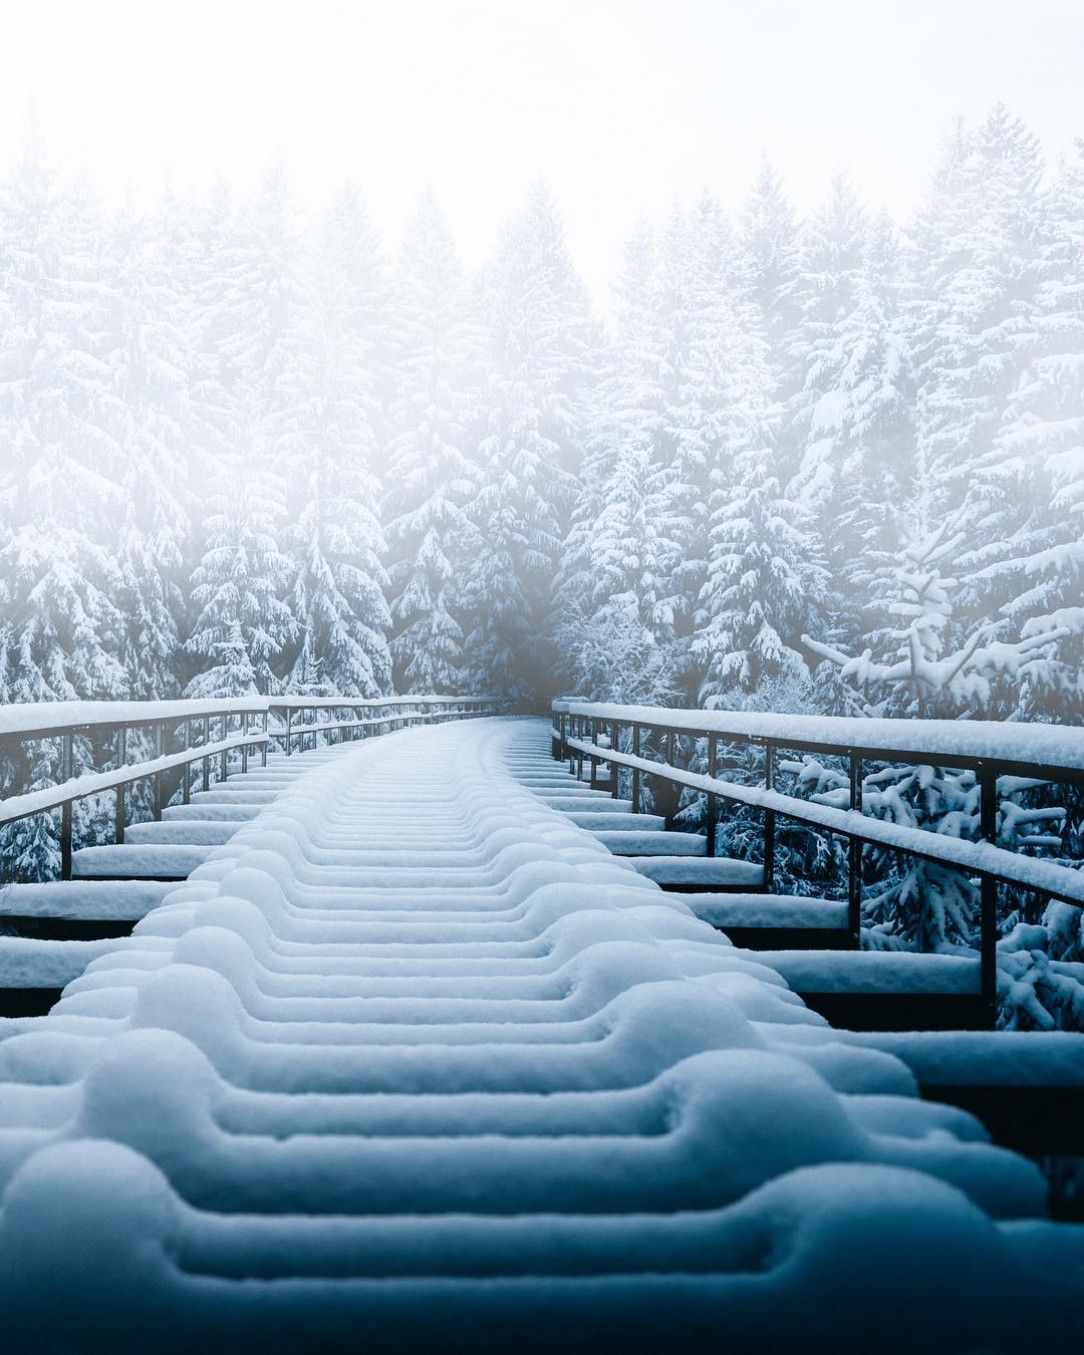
<point>854,857</point>
<point>613,765</point>
<point>712,807</point>
<point>289,722</point>
<point>987,776</point>
<point>670,803</point>
<point>158,797</point>
<point>636,774</point>
<point>186,793</point>
<point>769,819</point>
<point>206,761</point>
<point>594,760</point>
<point>244,746</point>
<point>119,814</point>
<point>66,765</point>
<point>225,755</point>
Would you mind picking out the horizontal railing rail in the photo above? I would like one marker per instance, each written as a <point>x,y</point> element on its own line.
<point>181,735</point>
<point>398,712</point>
<point>1026,753</point>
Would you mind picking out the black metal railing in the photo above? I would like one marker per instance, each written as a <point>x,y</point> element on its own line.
<point>192,743</point>
<point>593,733</point>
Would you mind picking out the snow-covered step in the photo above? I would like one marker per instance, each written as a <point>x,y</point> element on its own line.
<point>29,962</point>
<point>600,805</point>
<point>885,990</point>
<point>218,813</point>
<point>619,821</point>
<point>184,832</point>
<point>534,779</point>
<point>874,971</point>
<point>84,900</point>
<point>654,844</point>
<point>782,911</point>
<point>231,793</point>
<point>692,873</point>
<point>133,861</point>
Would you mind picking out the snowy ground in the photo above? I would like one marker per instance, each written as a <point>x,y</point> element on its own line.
<point>415,1060</point>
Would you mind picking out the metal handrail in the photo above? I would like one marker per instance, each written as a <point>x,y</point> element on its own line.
<point>32,723</point>
<point>579,726</point>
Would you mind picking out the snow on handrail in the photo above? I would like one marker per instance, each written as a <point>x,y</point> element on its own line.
<point>1038,747</point>
<point>44,719</point>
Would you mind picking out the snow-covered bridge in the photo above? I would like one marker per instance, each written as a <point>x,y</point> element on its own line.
<point>412,1058</point>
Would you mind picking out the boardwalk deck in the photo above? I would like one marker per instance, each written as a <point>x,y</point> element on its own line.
<point>414,1059</point>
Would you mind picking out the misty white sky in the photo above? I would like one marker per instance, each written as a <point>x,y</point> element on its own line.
<point>620,104</point>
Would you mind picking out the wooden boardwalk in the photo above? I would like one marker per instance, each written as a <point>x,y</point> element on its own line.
<point>415,1056</point>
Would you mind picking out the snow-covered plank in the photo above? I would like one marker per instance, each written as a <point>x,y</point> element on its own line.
<point>969,1058</point>
<point>644,842</point>
<point>26,962</point>
<point>619,822</point>
<point>769,910</point>
<point>184,832</point>
<point>135,861</point>
<point>700,872</point>
<point>84,900</point>
<point>873,971</point>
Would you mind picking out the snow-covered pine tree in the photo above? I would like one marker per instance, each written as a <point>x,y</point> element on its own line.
<point>611,637</point>
<point>765,581</point>
<point>827,290</point>
<point>539,337</point>
<point>60,424</point>
<point>699,269</point>
<point>977,277</point>
<point>912,668</point>
<point>768,267</point>
<point>432,471</point>
<point>326,446</point>
<point>1033,476</point>
<point>159,456</point>
<point>917,670</point>
<point>242,625</point>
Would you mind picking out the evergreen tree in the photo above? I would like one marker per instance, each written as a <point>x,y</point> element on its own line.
<point>60,424</point>
<point>765,581</point>
<point>768,263</point>
<point>613,634</point>
<point>326,446</point>
<point>242,624</point>
<point>977,279</point>
<point>432,473</point>
<point>1034,473</point>
<point>538,340</point>
<point>158,458</point>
